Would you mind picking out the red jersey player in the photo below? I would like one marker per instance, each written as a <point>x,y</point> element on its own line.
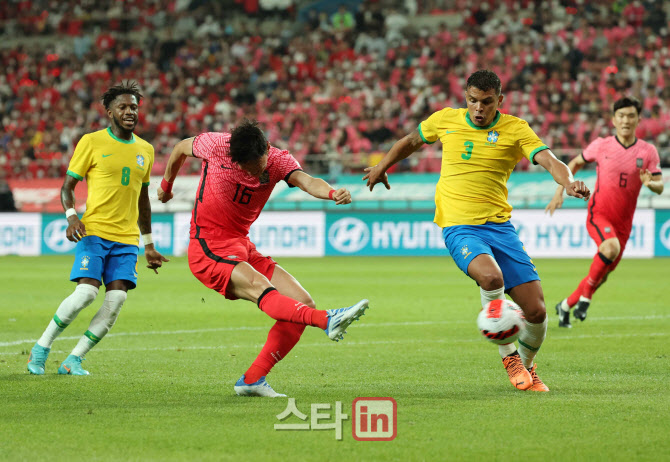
<point>239,172</point>
<point>625,164</point>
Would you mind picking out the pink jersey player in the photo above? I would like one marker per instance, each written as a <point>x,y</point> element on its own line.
<point>229,199</point>
<point>618,182</point>
<point>239,171</point>
<point>624,165</point>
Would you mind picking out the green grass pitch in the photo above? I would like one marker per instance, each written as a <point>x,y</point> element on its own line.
<point>161,382</point>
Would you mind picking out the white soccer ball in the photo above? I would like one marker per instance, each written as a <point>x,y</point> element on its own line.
<point>501,321</point>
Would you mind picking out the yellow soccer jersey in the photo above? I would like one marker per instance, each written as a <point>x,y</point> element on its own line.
<point>115,171</point>
<point>476,164</point>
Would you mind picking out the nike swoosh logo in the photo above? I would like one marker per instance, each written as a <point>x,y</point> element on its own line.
<point>107,155</point>
<point>227,168</point>
<point>450,131</point>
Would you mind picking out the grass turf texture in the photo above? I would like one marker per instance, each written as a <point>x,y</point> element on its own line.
<point>161,381</point>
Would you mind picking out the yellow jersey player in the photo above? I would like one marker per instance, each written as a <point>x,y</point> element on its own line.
<point>116,164</point>
<point>480,147</point>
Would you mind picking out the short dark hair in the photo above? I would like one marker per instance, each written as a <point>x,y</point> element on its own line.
<point>627,101</point>
<point>247,142</point>
<point>127,88</point>
<point>485,80</point>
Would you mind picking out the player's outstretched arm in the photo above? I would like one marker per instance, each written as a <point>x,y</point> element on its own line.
<point>402,149</point>
<point>319,188</point>
<point>180,152</point>
<point>154,258</point>
<point>653,181</point>
<point>562,175</point>
<point>75,228</point>
<point>556,202</point>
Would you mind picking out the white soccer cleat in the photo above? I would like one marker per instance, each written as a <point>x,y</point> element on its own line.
<point>258,388</point>
<point>340,319</point>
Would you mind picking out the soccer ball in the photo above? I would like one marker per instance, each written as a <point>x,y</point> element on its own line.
<point>501,321</point>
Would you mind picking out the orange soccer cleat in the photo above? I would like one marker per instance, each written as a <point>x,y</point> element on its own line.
<point>538,385</point>
<point>518,374</point>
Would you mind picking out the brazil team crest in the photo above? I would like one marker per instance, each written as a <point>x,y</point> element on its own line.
<point>493,137</point>
<point>140,160</point>
<point>84,262</point>
<point>465,251</point>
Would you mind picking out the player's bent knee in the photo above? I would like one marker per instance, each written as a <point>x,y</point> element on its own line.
<point>116,299</point>
<point>491,281</point>
<point>86,293</point>
<point>536,314</point>
<point>610,249</point>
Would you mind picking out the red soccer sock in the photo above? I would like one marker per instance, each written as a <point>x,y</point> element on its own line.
<point>599,269</point>
<point>281,339</point>
<point>283,308</point>
<point>574,297</point>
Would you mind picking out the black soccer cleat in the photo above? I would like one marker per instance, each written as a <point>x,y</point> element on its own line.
<point>580,309</point>
<point>563,316</point>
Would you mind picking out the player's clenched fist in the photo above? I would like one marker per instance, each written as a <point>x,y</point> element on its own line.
<point>164,196</point>
<point>342,196</point>
<point>579,190</point>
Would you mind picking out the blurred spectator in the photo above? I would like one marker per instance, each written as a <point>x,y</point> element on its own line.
<point>6,196</point>
<point>342,20</point>
<point>322,93</point>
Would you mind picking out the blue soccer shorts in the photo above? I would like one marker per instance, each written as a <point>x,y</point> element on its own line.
<point>499,240</point>
<point>104,260</point>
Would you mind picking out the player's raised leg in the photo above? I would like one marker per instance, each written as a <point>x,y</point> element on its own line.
<point>249,284</point>
<point>530,298</point>
<point>83,295</point>
<point>484,269</point>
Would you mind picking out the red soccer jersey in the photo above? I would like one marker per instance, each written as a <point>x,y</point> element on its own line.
<point>618,180</point>
<point>228,199</point>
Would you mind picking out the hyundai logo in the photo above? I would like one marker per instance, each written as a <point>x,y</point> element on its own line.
<point>348,235</point>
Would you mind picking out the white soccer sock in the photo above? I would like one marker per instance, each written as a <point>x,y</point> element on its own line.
<point>564,305</point>
<point>530,340</point>
<point>488,296</point>
<point>83,295</point>
<point>102,322</point>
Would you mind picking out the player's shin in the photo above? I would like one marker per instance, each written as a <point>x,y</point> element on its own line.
<point>488,296</point>
<point>102,322</point>
<point>530,340</point>
<point>281,339</point>
<point>83,295</point>
<point>283,308</point>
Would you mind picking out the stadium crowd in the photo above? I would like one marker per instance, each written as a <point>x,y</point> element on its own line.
<point>334,84</point>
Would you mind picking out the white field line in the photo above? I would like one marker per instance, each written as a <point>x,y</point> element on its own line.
<point>350,343</point>
<point>358,326</point>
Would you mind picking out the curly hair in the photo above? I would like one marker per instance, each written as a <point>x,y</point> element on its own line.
<point>247,142</point>
<point>485,80</point>
<point>128,88</point>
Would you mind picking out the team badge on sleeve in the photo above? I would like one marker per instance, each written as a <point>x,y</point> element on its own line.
<point>140,160</point>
